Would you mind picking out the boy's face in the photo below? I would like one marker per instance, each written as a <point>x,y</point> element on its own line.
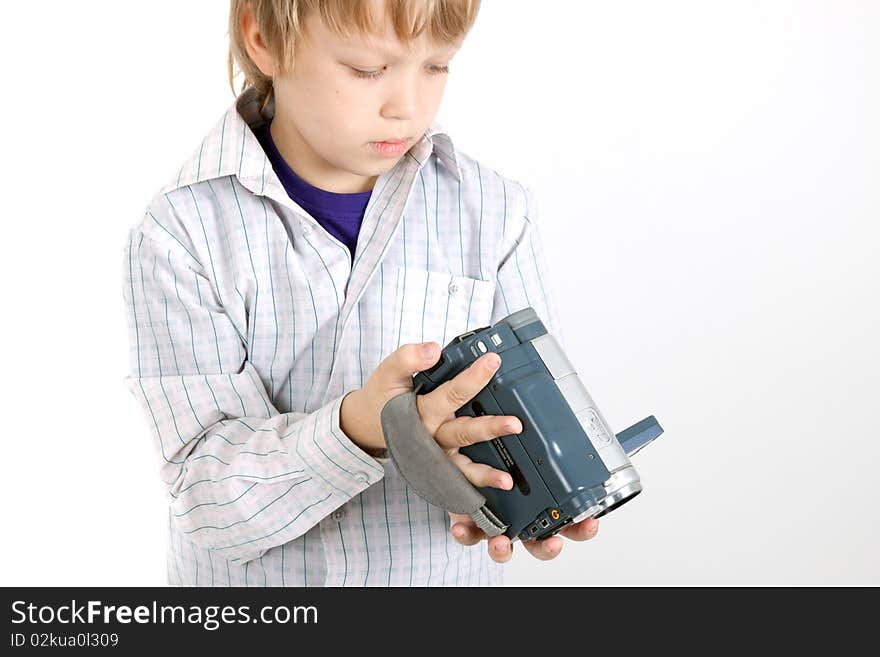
<point>327,117</point>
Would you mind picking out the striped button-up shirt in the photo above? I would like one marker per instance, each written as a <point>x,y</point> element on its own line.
<point>249,323</point>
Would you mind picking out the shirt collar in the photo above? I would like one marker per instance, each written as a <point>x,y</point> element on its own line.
<point>231,148</point>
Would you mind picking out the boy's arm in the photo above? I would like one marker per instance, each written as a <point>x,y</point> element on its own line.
<point>522,277</point>
<point>241,476</point>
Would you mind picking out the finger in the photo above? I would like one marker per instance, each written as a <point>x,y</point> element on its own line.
<point>466,430</point>
<point>467,533</point>
<point>500,548</point>
<point>396,370</point>
<point>582,531</point>
<point>544,550</point>
<point>455,393</point>
<point>480,474</point>
<point>464,529</point>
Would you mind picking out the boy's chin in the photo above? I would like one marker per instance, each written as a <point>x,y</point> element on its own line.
<point>376,166</point>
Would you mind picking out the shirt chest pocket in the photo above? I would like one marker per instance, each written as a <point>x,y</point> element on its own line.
<point>438,306</point>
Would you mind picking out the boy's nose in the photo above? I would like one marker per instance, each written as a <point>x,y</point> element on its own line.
<point>402,104</point>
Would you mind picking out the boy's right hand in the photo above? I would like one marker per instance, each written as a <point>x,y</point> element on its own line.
<point>360,413</point>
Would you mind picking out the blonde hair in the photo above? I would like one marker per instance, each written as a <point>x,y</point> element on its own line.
<point>281,22</point>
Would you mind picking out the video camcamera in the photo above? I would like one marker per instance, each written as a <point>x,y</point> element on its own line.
<point>566,464</point>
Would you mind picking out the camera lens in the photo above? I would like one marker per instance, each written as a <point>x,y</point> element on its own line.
<point>615,503</point>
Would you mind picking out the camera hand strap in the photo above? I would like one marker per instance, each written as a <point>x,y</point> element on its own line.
<point>427,469</point>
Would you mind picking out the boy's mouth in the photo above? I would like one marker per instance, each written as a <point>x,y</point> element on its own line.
<point>392,148</point>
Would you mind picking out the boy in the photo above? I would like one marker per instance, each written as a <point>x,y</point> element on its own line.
<point>281,286</point>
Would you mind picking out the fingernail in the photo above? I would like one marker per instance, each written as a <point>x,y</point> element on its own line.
<point>458,532</point>
<point>493,361</point>
<point>428,349</point>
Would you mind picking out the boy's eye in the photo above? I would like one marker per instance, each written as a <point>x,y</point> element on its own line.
<point>366,74</point>
<point>432,70</point>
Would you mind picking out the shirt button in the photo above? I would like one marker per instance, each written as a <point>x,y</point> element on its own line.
<point>338,515</point>
<point>360,477</point>
<point>453,288</point>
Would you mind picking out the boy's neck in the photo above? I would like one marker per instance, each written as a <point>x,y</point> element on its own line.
<point>309,166</point>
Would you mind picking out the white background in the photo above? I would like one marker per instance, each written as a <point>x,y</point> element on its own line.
<point>707,173</point>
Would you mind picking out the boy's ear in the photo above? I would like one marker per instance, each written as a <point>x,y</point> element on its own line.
<point>256,47</point>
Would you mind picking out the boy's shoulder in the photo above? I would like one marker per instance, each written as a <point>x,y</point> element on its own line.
<point>229,148</point>
<point>483,183</point>
<point>507,194</point>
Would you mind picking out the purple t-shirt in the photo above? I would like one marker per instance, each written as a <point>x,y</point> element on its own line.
<point>340,214</point>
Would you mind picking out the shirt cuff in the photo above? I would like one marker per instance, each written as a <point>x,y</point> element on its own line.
<point>330,454</point>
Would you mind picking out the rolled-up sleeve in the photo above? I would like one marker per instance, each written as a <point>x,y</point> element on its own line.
<point>241,476</point>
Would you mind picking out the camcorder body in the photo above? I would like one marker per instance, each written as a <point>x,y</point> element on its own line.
<point>566,464</point>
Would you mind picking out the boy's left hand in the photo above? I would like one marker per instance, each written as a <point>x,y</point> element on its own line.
<point>466,532</point>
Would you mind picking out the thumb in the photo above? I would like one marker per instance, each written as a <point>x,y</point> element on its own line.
<point>399,367</point>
